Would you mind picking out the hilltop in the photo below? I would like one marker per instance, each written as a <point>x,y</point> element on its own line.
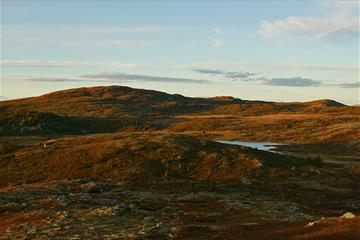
<point>111,102</point>
<point>116,108</point>
<point>118,101</point>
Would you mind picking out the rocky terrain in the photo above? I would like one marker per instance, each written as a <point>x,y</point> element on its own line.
<point>115,108</point>
<point>122,163</point>
<point>283,208</point>
<point>138,157</point>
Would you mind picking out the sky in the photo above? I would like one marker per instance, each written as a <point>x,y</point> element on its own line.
<point>298,50</point>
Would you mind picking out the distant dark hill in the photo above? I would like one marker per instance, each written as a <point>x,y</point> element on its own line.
<point>114,108</point>
<point>110,102</point>
<point>118,101</point>
<point>329,103</point>
<point>46,123</point>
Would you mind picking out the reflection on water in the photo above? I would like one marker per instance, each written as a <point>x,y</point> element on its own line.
<point>271,147</point>
<point>266,146</point>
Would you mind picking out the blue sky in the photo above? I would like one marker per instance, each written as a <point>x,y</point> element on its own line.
<point>268,50</point>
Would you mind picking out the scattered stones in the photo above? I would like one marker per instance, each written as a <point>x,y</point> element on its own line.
<point>348,215</point>
<point>65,210</point>
<point>10,229</point>
<point>63,200</point>
<point>310,224</point>
<point>91,187</point>
<point>250,224</point>
<point>121,210</point>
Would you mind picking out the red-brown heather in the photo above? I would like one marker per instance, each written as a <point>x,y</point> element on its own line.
<point>122,163</point>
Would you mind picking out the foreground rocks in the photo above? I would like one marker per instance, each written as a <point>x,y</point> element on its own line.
<point>85,209</point>
<point>155,186</point>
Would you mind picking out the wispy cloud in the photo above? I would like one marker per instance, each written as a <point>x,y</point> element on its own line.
<point>50,63</point>
<point>342,22</point>
<point>126,30</point>
<point>292,82</point>
<point>217,31</point>
<point>143,78</point>
<point>341,8</point>
<point>239,75</point>
<point>310,28</point>
<point>297,66</point>
<point>113,78</point>
<point>205,64</point>
<point>53,79</point>
<point>303,82</point>
<point>128,78</point>
<point>232,75</point>
<point>209,71</point>
<point>130,43</point>
<point>349,85</point>
<point>271,66</point>
<point>72,35</point>
<point>217,43</point>
<point>286,82</point>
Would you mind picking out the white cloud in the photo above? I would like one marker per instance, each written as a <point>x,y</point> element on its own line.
<point>53,79</point>
<point>203,64</point>
<point>130,44</point>
<point>349,85</point>
<point>291,66</point>
<point>71,35</point>
<point>310,27</point>
<point>218,31</point>
<point>142,78</point>
<point>233,75</point>
<point>104,77</point>
<point>50,63</point>
<point>341,8</point>
<point>292,82</point>
<point>217,43</point>
<point>341,22</point>
<point>303,82</point>
<point>126,30</point>
<point>299,66</point>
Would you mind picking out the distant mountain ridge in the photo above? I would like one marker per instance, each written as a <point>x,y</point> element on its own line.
<point>114,108</point>
<point>60,101</point>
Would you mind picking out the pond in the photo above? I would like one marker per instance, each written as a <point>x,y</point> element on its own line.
<point>271,147</point>
<point>265,146</point>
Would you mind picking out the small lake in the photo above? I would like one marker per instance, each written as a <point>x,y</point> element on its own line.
<point>265,146</point>
<point>271,147</point>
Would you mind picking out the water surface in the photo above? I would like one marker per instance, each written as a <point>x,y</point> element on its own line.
<point>265,146</point>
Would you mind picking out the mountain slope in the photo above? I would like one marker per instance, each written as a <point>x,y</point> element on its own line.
<point>138,157</point>
<point>116,108</point>
<point>110,102</point>
<point>118,101</point>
